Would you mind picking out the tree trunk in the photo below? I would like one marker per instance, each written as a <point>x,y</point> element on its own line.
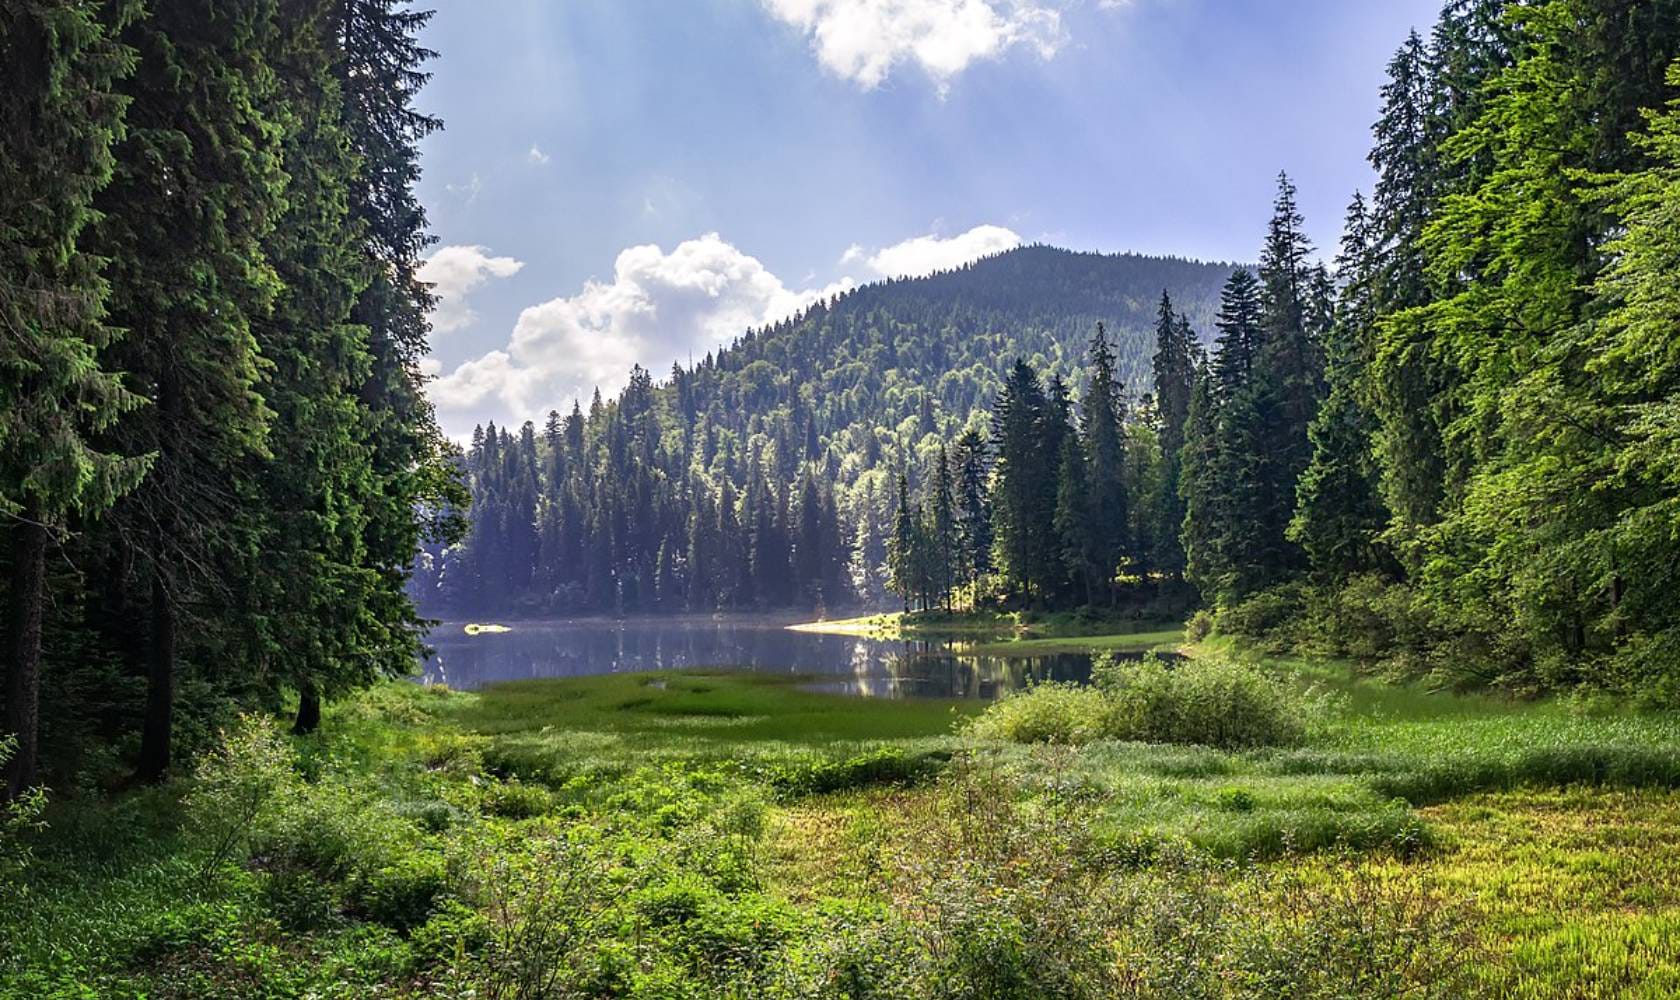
<point>23,687</point>
<point>160,687</point>
<point>309,711</point>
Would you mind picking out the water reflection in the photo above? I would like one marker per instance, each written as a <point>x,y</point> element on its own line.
<point>836,663</point>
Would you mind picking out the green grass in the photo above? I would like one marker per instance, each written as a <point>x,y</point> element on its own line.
<point>776,817</point>
<point>699,713</point>
<point>1129,642</point>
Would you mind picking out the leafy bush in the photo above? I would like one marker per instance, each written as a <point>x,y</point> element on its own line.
<point>1203,702</point>
<point>1273,616</point>
<point>405,893</point>
<point>18,818</point>
<point>242,787</point>
<point>1207,702</point>
<point>1199,627</point>
<point>1048,713</point>
<point>884,766</point>
<point>515,799</point>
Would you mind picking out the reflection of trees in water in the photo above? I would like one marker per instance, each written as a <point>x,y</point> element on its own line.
<point>856,664</point>
<point>940,668</point>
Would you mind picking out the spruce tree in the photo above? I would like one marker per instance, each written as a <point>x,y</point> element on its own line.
<point>1339,514</point>
<point>1174,370</point>
<point>187,286</point>
<point>1105,540</point>
<point>902,547</point>
<point>1200,489</point>
<point>1024,483</point>
<point>1075,534</point>
<point>974,521</point>
<point>60,66</point>
<point>942,530</point>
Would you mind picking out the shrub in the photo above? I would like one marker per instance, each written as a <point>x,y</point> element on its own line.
<point>884,766</point>
<point>1047,713</point>
<point>515,799</point>
<point>1199,627</point>
<point>405,893</point>
<point>242,787</point>
<point>1273,615</point>
<point>18,818</point>
<point>1217,703</point>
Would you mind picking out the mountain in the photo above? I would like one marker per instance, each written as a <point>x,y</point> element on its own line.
<point>618,509</point>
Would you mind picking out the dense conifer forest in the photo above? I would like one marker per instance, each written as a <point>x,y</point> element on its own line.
<point>1308,623</point>
<point>1440,443</point>
<point>216,455</point>
<point>764,476</point>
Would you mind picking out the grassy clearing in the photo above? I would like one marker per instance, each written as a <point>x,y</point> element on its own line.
<point>723,834</point>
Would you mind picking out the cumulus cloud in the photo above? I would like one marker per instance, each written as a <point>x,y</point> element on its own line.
<point>454,271</point>
<point>863,40</point>
<point>658,307</point>
<point>924,255</point>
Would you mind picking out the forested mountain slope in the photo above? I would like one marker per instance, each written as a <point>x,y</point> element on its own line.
<point>619,508</point>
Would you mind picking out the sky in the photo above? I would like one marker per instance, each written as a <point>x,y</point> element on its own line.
<point>639,181</point>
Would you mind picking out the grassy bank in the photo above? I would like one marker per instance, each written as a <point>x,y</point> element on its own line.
<point>718,834</point>
<point>1007,633</point>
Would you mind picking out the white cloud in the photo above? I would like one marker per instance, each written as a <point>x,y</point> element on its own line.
<point>537,156</point>
<point>658,307</point>
<point>924,255</point>
<point>863,40</point>
<point>455,271</point>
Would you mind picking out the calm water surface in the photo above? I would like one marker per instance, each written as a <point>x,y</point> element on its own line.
<point>838,663</point>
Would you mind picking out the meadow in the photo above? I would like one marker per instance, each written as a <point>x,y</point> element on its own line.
<point>735,835</point>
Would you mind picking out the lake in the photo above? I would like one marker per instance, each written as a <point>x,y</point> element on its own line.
<point>843,664</point>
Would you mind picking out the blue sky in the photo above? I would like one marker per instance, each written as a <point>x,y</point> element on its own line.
<point>636,180</point>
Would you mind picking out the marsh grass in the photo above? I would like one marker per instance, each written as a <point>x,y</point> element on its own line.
<point>737,835</point>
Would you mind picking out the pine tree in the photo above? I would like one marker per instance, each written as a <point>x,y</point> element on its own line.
<point>1076,544</point>
<point>1174,369</point>
<point>1105,540</point>
<point>942,533</point>
<point>1024,483</point>
<point>187,286</point>
<point>974,520</point>
<point>60,65</point>
<point>1339,513</point>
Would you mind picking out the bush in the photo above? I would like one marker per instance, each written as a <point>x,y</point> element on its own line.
<point>516,800</point>
<point>1215,703</point>
<point>1199,627</point>
<point>1047,713</point>
<point>404,894</point>
<point>1274,616</point>
<point>18,818</point>
<point>885,766</point>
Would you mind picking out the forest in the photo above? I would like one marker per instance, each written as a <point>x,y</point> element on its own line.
<point>1314,614</point>
<point>216,455</point>
<point>1445,448</point>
